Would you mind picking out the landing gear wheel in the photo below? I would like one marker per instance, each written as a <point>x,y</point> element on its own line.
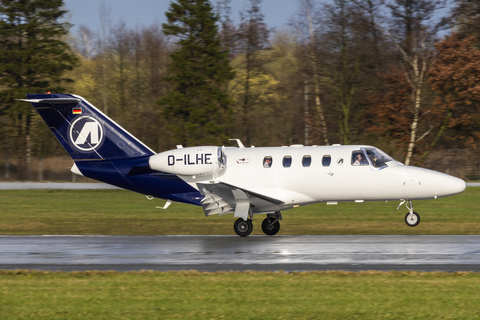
<point>270,226</point>
<point>413,219</point>
<point>243,228</point>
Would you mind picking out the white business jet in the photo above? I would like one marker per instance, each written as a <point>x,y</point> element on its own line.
<point>241,181</point>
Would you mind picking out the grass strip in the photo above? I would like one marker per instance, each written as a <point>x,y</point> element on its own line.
<point>119,212</point>
<point>239,295</point>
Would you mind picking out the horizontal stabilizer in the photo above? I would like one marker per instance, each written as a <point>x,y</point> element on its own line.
<point>58,101</point>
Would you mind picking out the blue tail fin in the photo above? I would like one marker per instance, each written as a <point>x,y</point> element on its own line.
<point>84,131</point>
<point>104,151</point>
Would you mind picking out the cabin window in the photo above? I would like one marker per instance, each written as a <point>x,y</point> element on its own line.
<point>359,159</point>
<point>306,161</point>
<point>267,162</point>
<point>326,160</point>
<point>287,161</point>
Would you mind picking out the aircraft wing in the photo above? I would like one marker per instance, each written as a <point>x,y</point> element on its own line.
<point>221,198</point>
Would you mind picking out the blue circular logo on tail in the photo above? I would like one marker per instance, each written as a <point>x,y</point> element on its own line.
<point>86,134</point>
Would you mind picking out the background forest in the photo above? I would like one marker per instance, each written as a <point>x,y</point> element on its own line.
<point>391,73</point>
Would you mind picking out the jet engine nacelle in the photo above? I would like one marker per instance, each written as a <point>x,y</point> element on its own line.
<point>195,161</point>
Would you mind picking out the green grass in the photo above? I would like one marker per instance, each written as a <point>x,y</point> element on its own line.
<point>118,212</point>
<point>233,295</point>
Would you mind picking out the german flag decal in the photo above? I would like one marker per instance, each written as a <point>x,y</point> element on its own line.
<point>77,111</point>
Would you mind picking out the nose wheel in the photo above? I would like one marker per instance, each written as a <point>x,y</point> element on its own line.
<point>243,227</point>
<point>412,219</point>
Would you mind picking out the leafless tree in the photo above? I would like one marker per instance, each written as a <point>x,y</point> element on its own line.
<point>464,18</point>
<point>410,16</point>
<point>416,66</point>
<point>307,10</point>
<point>253,38</point>
<point>121,45</point>
<point>414,33</point>
<point>342,46</point>
<point>88,42</point>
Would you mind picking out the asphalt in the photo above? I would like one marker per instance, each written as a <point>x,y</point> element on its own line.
<point>233,253</point>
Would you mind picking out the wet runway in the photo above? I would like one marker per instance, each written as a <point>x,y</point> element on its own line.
<point>224,253</point>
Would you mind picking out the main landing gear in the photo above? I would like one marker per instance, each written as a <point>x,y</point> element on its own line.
<point>412,218</point>
<point>270,226</point>
<point>243,227</point>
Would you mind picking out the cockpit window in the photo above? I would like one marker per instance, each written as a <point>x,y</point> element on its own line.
<point>287,161</point>
<point>358,158</point>
<point>377,157</point>
<point>267,162</point>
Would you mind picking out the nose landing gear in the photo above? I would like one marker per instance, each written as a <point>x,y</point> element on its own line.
<point>412,218</point>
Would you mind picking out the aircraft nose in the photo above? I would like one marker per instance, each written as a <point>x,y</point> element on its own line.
<point>457,185</point>
<point>452,185</point>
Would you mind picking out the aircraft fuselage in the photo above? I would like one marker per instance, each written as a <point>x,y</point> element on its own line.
<point>300,175</point>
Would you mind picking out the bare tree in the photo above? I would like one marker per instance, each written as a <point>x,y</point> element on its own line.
<point>344,55</point>
<point>253,38</point>
<point>408,17</point>
<point>413,30</point>
<point>228,31</point>
<point>464,18</point>
<point>304,24</point>
<point>308,7</point>
<point>155,56</point>
<point>121,45</point>
<point>105,23</point>
<point>88,46</point>
<point>416,66</point>
<point>372,25</point>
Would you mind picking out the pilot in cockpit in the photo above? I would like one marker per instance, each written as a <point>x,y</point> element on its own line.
<point>373,159</point>
<point>359,160</point>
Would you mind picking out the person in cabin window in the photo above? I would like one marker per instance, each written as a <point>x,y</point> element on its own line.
<point>267,162</point>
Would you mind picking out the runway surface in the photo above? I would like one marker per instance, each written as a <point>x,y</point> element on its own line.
<point>224,253</point>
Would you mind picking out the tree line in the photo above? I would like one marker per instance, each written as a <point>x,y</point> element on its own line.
<point>394,74</point>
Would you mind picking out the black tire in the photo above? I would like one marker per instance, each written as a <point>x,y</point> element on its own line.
<point>412,221</point>
<point>270,229</point>
<point>243,228</point>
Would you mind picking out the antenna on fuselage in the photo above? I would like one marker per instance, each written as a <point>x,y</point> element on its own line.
<point>240,144</point>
